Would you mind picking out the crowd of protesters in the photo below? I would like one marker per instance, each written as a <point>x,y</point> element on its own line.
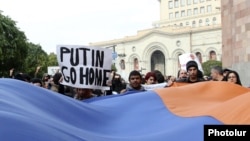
<point>136,81</point>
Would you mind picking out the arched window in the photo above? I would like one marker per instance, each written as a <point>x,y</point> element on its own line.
<point>193,24</point>
<point>207,21</point>
<point>200,22</point>
<point>122,64</point>
<point>214,20</point>
<point>179,64</point>
<point>136,64</point>
<point>157,61</point>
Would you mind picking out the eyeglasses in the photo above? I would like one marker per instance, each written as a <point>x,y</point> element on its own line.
<point>231,77</point>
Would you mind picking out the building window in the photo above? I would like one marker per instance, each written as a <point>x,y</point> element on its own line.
<point>195,1</point>
<point>176,3</point>
<point>209,8</point>
<point>200,22</point>
<point>176,14</point>
<point>193,24</point>
<point>178,56</point>
<point>122,64</point>
<point>170,15</point>
<point>181,24</point>
<point>207,21</point>
<point>170,4</point>
<point>183,2</point>
<point>202,10</point>
<point>214,20</point>
<point>188,2</point>
<point>182,13</point>
<point>195,11</point>
<point>189,12</point>
<point>136,64</point>
<point>187,23</point>
<point>202,0</point>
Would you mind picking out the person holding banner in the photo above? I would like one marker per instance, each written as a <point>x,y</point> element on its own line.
<point>233,77</point>
<point>109,82</point>
<point>182,74</point>
<point>84,93</point>
<point>150,78</point>
<point>194,75</point>
<point>117,84</point>
<point>84,66</point>
<point>135,83</point>
<point>217,74</point>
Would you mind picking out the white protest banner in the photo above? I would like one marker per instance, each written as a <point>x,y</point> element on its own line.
<point>84,66</point>
<point>184,58</point>
<point>155,86</point>
<point>53,69</point>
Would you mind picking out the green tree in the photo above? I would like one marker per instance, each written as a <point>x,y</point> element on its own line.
<point>208,65</point>
<point>13,46</point>
<point>52,60</point>
<point>36,57</point>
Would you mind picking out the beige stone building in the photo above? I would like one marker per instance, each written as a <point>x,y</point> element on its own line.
<point>236,37</point>
<point>185,26</point>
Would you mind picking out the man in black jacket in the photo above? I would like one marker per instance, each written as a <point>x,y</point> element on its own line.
<point>194,74</point>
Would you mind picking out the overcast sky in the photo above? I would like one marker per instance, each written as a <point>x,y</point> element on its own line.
<point>79,22</point>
